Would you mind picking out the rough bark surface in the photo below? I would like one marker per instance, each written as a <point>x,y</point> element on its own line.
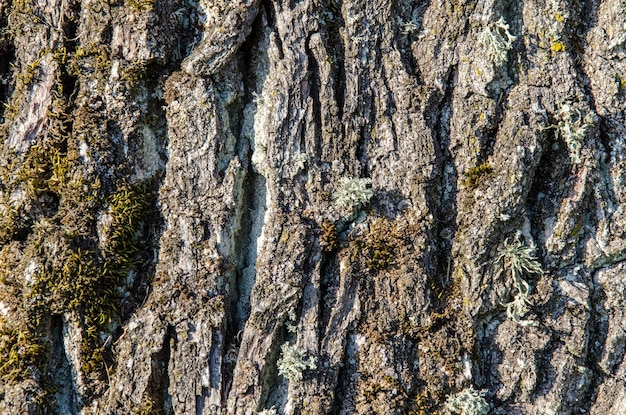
<point>175,236</point>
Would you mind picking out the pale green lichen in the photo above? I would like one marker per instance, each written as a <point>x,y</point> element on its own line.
<point>269,411</point>
<point>292,362</point>
<point>352,194</point>
<point>291,324</point>
<point>519,260</point>
<point>498,41</point>
<point>299,162</point>
<point>572,127</point>
<point>468,402</point>
<point>409,27</point>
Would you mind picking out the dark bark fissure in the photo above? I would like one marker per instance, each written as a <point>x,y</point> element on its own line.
<point>272,382</point>
<point>253,208</point>
<point>575,34</point>
<point>364,108</point>
<point>545,195</point>
<point>333,24</point>
<point>546,372</point>
<point>410,14</point>
<point>216,357</point>
<point>315,88</point>
<point>252,205</point>
<point>329,284</point>
<point>59,371</point>
<point>7,55</point>
<point>151,229</point>
<point>161,401</point>
<point>201,400</point>
<point>445,205</point>
<point>597,325</point>
<point>164,378</point>
<point>605,126</point>
<point>598,331</point>
<point>344,385</point>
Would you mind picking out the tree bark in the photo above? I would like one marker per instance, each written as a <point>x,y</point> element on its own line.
<point>312,207</point>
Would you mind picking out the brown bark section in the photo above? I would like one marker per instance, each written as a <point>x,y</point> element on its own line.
<point>171,233</point>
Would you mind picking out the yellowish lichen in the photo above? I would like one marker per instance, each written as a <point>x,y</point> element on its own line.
<point>557,46</point>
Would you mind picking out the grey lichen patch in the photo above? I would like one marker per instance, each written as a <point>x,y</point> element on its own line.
<point>520,261</point>
<point>268,411</point>
<point>150,160</point>
<point>572,127</point>
<point>352,194</point>
<point>292,362</point>
<point>468,402</point>
<point>497,40</point>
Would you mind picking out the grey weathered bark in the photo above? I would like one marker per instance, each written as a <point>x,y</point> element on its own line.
<point>172,227</point>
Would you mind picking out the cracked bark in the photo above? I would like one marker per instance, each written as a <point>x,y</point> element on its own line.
<point>168,220</point>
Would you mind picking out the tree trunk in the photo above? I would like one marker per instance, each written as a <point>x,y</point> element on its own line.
<point>312,207</point>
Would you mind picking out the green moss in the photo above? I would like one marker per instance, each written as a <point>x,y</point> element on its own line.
<point>44,169</point>
<point>423,404</point>
<point>474,176</point>
<point>328,236</point>
<point>31,70</point>
<point>146,408</point>
<point>23,79</point>
<point>134,74</point>
<point>49,211</point>
<point>21,350</point>
<point>34,181</point>
<point>377,248</point>
<point>129,207</point>
<point>21,18</point>
<point>141,6</point>
<point>91,58</point>
<point>83,279</point>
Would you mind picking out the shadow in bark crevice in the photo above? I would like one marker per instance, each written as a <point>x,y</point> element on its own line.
<point>59,371</point>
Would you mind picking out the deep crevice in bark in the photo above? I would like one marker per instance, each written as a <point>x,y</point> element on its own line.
<point>545,195</point>
<point>329,284</point>
<point>59,369</point>
<point>598,330</point>
<point>315,88</point>
<point>252,221</point>
<point>334,23</point>
<point>7,55</point>
<point>444,205</point>
<point>161,374</point>
<point>411,17</point>
<point>344,392</point>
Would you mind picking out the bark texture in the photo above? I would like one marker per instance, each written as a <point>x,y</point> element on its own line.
<point>182,230</point>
